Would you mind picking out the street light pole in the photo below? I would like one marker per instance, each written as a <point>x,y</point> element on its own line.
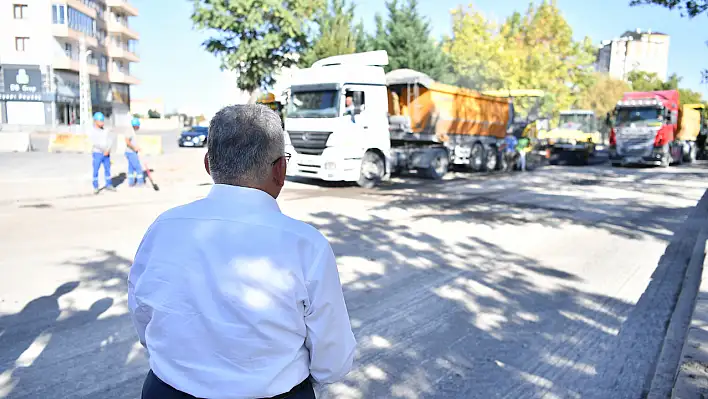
<point>84,84</point>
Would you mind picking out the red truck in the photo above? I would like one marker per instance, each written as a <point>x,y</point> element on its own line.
<point>647,130</point>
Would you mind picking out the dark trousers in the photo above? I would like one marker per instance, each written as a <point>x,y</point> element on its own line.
<point>155,388</point>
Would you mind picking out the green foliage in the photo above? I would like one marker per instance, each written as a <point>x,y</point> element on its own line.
<point>256,38</point>
<point>690,97</point>
<point>534,50</point>
<point>153,114</point>
<point>405,35</point>
<point>646,81</point>
<point>602,95</point>
<point>690,8</point>
<point>363,40</point>
<point>335,35</point>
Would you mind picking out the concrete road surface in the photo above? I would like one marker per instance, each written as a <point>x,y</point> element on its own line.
<point>481,286</point>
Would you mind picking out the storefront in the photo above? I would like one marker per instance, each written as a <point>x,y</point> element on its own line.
<point>24,100</point>
<point>68,104</point>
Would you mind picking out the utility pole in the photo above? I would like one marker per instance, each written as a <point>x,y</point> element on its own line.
<point>84,85</point>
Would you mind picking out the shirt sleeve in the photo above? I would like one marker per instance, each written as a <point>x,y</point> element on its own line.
<point>140,313</point>
<point>329,333</point>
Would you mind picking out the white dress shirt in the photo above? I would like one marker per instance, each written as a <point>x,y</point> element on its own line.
<point>233,299</point>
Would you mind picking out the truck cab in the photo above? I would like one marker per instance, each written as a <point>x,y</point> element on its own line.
<point>644,128</point>
<point>336,121</point>
<point>577,133</point>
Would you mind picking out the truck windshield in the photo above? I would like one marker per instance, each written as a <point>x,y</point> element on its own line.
<point>582,122</point>
<point>314,104</point>
<point>638,115</point>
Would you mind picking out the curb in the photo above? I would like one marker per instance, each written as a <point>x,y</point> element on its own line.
<point>692,374</point>
<point>668,377</point>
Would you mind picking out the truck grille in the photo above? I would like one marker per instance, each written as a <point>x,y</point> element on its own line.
<point>310,143</point>
<point>635,146</point>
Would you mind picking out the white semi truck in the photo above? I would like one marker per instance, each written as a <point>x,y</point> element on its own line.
<point>347,120</point>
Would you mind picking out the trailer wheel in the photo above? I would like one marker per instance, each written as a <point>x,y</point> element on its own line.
<point>491,157</point>
<point>438,165</point>
<point>372,170</point>
<point>477,157</point>
<point>690,157</point>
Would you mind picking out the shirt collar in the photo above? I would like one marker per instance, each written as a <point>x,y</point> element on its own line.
<point>250,197</point>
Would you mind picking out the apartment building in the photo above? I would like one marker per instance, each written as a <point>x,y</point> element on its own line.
<point>40,59</point>
<point>635,51</point>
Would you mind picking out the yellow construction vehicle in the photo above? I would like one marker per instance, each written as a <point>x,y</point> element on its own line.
<point>577,134</point>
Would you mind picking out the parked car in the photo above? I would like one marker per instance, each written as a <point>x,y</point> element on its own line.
<point>196,136</point>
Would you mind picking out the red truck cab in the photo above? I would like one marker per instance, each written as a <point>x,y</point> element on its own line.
<point>645,128</point>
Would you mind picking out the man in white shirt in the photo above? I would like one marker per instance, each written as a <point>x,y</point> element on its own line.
<point>231,298</point>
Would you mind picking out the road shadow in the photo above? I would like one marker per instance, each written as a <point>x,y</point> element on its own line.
<point>118,180</point>
<point>84,353</point>
<point>465,318</point>
<point>577,197</point>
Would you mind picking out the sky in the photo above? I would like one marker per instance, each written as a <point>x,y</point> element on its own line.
<point>175,67</point>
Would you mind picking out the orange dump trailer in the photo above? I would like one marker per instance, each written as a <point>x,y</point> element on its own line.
<point>425,116</point>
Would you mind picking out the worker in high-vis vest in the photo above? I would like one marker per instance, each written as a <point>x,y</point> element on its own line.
<point>135,170</point>
<point>101,143</point>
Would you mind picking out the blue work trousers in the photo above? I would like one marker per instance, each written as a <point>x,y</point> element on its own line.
<point>135,171</point>
<point>98,160</point>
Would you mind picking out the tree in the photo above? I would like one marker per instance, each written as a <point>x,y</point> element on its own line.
<point>690,97</point>
<point>336,33</point>
<point>649,81</point>
<point>256,38</point>
<point>690,8</point>
<point>405,35</point>
<point>534,50</point>
<point>153,114</point>
<point>602,95</point>
<point>363,40</point>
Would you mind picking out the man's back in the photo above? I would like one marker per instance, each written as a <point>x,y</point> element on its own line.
<point>236,300</point>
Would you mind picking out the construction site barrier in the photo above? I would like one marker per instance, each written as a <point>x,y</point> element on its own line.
<point>148,144</point>
<point>15,142</point>
<point>67,142</point>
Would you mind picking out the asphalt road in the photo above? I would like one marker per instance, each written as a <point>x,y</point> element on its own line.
<point>544,284</point>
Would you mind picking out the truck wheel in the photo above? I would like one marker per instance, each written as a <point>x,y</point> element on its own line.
<point>372,170</point>
<point>490,159</point>
<point>438,165</point>
<point>690,157</point>
<point>477,158</point>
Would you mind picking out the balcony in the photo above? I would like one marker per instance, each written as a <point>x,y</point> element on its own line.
<point>123,6</point>
<point>115,76</point>
<point>68,33</point>
<point>80,6</point>
<point>114,51</point>
<point>116,27</point>
<point>64,62</point>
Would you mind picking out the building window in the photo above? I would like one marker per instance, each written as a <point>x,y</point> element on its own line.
<point>67,49</point>
<point>20,11</point>
<point>21,43</point>
<point>103,63</point>
<point>81,22</point>
<point>58,14</point>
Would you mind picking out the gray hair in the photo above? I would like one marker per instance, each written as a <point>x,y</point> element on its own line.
<point>243,142</point>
